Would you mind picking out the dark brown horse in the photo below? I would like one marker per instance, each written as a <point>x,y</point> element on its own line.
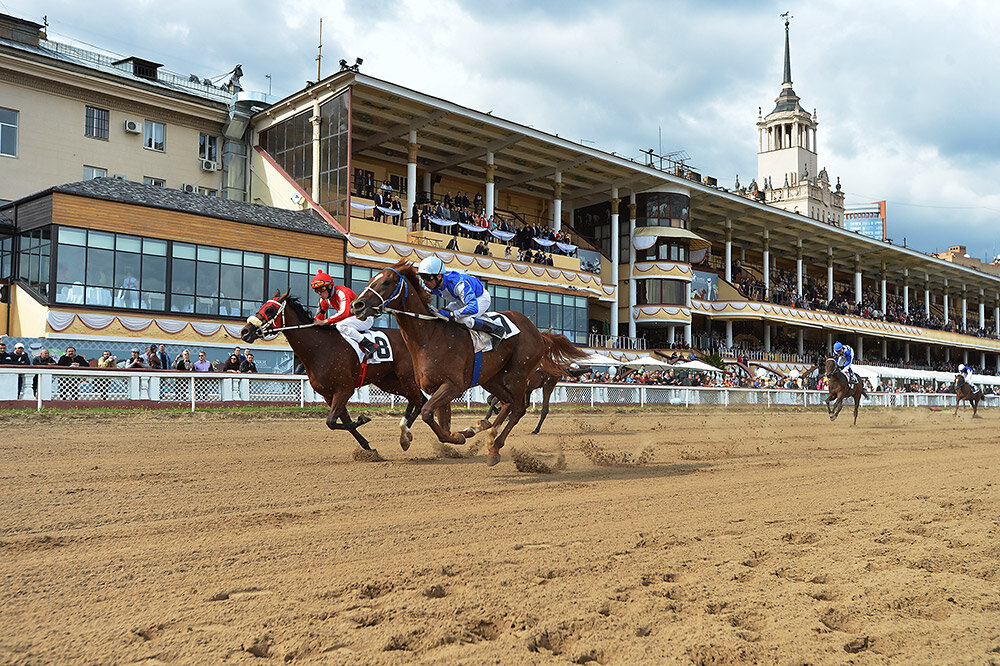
<point>964,391</point>
<point>444,358</point>
<point>333,367</point>
<point>840,389</point>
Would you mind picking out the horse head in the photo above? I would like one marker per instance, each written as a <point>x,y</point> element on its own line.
<point>831,367</point>
<point>268,317</point>
<point>390,288</point>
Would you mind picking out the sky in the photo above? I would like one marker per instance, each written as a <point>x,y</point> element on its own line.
<point>904,90</point>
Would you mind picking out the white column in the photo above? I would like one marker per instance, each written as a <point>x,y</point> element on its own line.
<point>767,266</point>
<point>799,275</point>
<point>906,352</point>
<point>996,321</point>
<point>428,184</point>
<point>316,119</point>
<point>982,310</point>
<point>965,357</point>
<point>557,203</point>
<point>927,349</point>
<point>802,342</point>
<point>490,187</point>
<point>829,341</point>
<point>965,311</point>
<point>687,335</point>
<point>729,250</point>
<point>982,360</point>
<point>829,275</point>
<point>883,294</point>
<point>947,354</point>
<point>857,279</point>
<point>945,301</point>
<point>615,231</point>
<point>671,334</point>
<point>631,266</point>
<point>927,296</point>
<point>861,348</point>
<point>885,348</point>
<point>411,181</point>
<point>729,335</point>
<point>767,337</point>
<point>906,291</point>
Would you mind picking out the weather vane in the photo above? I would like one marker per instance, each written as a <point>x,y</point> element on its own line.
<point>787,16</point>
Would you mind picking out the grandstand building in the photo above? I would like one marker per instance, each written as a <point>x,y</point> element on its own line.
<point>645,258</point>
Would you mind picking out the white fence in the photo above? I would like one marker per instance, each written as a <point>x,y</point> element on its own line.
<point>194,388</point>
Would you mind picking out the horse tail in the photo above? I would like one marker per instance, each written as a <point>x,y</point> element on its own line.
<point>560,353</point>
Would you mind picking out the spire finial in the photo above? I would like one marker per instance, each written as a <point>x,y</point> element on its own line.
<point>788,57</point>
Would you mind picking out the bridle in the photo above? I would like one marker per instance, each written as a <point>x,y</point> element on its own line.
<point>273,325</point>
<point>402,291</point>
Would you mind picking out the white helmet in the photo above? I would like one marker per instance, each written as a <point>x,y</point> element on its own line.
<point>430,266</point>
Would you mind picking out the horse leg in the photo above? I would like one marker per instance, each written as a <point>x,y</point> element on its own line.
<point>857,403</point>
<point>440,403</point>
<point>839,405</point>
<point>958,403</point>
<point>546,394</point>
<point>338,411</point>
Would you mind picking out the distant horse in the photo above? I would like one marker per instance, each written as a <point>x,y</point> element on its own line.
<point>333,367</point>
<point>840,389</point>
<point>963,391</point>
<point>444,361</point>
<point>540,379</point>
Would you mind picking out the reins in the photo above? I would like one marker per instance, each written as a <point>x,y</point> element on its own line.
<point>402,290</point>
<point>267,327</point>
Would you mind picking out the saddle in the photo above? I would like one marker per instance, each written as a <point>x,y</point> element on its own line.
<point>482,342</point>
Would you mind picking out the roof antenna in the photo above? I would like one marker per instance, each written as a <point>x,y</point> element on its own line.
<point>319,54</point>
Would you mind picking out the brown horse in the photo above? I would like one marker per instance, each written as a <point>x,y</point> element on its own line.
<point>545,377</point>
<point>444,359</point>
<point>333,367</point>
<point>840,389</point>
<point>963,391</point>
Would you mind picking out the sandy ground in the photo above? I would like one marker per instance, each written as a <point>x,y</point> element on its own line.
<point>728,536</point>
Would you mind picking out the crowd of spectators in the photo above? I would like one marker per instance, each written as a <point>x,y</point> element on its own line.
<point>153,357</point>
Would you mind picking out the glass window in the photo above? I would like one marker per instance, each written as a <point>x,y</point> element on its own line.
<point>155,136</point>
<point>208,147</point>
<point>68,236</point>
<point>157,182</point>
<point>91,172</point>
<point>8,132</point>
<point>96,121</point>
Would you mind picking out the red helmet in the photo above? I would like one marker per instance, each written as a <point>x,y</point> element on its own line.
<point>321,280</point>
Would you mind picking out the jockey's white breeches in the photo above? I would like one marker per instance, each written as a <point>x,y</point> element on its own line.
<point>483,305</point>
<point>352,328</point>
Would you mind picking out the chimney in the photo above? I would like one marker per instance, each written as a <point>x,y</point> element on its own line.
<point>144,69</point>
<point>19,30</point>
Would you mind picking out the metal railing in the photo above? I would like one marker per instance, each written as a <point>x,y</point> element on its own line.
<point>95,388</point>
<point>615,341</point>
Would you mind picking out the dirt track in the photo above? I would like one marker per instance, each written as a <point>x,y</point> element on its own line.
<point>750,536</point>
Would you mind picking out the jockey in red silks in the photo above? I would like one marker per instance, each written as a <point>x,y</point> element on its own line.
<point>338,298</point>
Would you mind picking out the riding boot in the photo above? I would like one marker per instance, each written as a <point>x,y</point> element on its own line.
<point>488,327</point>
<point>368,347</point>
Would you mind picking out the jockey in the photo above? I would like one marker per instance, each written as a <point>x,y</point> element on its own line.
<point>464,295</point>
<point>340,297</point>
<point>967,372</point>
<point>844,356</point>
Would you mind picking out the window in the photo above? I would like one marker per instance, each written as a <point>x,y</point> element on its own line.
<point>96,123</point>
<point>33,263</point>
<point>155,136</point>
<point>8,132</point>
<point>208,191</point>
<point>158,182</point>
<point>561,312</point>
<point>208,147</point>
<point>90,172</point>
<point>6,255</point>
<point>104,269</point>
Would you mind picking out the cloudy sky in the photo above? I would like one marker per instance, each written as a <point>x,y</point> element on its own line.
<point>905,90</point>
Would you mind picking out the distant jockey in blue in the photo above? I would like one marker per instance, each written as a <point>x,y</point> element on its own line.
<point>844,356</point>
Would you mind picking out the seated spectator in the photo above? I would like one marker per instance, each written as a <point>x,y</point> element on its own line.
<point>152,359</point>
<point>161,353</point>
<point>202,364</point>
<point>136,362</point>
<point>4,356</point>
<point>106,360</point>
<point>43,358</point>
<point>239,354</point>
<point>453,245</point>
<point>183,361</point>
<point>19,358</point>
<point>248,365</point>
<point>232,364</point>
<point>72,359</point>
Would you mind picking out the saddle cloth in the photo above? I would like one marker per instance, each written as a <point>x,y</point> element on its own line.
<point>482,342</point>
<point>383,350</point>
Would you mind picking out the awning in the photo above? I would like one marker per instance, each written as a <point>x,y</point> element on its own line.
<point>697,242</point>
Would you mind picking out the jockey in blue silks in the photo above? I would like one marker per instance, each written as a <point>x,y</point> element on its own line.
<point>465,296</point>
<point>844,356</point>
<point>967,372</point>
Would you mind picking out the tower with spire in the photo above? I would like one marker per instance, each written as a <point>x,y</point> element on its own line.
<point>787,158</point>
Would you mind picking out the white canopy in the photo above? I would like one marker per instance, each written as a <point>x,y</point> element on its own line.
<point>598,359</point>
<point>698,366</point>
<point>873,372</point>
<point>647,361</point>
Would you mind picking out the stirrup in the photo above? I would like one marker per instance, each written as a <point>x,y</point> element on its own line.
<point>368,347</point>
<point>488,327</point>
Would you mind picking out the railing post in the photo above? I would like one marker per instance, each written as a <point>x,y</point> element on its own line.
<point>687,398</point>
<point>591,396</point>
<point>191,387</point>
<point>38,393</point>
<point>302,393</point>
<point>725,392</point>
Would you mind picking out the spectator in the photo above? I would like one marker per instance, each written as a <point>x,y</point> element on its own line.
<point>248,365</point>
<point>202,364</point>
<point>136,362</point>
<point>70,386</point>
<point>239,354</point>
<point>477,203</point>
<point>4,355</point>
<point>183,361</point>
<point>161,354</point>
<point>453,245</point>
<point>19,358</point>
<point>152,359</point>
<point>43,358</point>
<point>106,361</point>
<point>232,364</point>
<point>71,359</point>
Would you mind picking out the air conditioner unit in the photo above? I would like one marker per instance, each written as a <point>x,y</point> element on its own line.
<point>133,127</point>
<point>209,165</point>
<point>189,188</point>
<point>120,176</point>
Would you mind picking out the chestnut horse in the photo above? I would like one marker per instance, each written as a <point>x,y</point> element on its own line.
<point>963,391</point>
<point>540,379</point>
<point>840,389</point>
<point>333,367</point>
<point>444,358</point>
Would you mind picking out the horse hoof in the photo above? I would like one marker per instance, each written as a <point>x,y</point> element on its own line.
<point>363,419</point>
<point>461,439</point>
<point>483,424</point>
<point>492,460</point>
<point>468,432</point>
<point>404,443</point>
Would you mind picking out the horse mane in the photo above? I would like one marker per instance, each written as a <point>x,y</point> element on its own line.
<point>295,304</point>
<point>408,271</point>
